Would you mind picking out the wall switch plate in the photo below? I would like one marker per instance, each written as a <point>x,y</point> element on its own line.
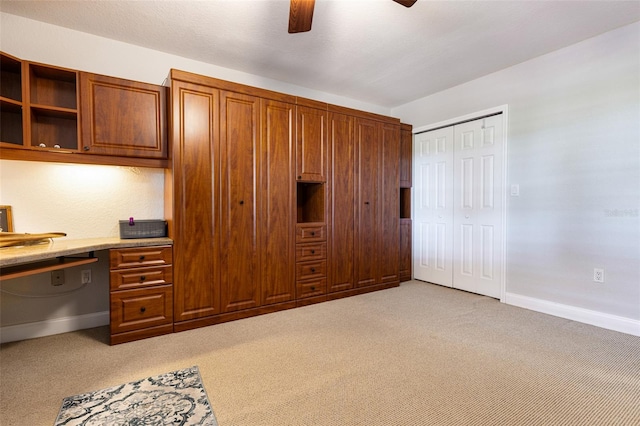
<point>57,277</point>
<point>85,276</point>
<point>598,275</point>
<point>515,190</point>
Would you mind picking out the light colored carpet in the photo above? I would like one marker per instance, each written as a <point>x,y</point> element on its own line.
<point>419,354</point>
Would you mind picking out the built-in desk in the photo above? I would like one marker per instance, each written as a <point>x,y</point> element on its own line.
<point>62,253</point>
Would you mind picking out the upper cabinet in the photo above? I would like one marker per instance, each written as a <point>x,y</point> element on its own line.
<point>11,119</point>
<point>406,151</point>
<point>56,114</point>
<point>122,117</point>
<point>311,145</point>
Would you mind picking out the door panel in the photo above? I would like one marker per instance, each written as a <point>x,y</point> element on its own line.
<point>277,203</point>
<point>433,236</point>
<point>389,205</point>
<point>478,230</point>
<point>197,289</point>
<point>367,166</point>
<point>240,281</point>
<point>342,230</point>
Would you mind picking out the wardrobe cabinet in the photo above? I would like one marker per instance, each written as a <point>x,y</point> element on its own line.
<point>342,230</point>
<point>406,154</point>
<point>191,200</point>
<point>232,201</point>
<point>122,117</point>
<point>311,144</point>
<point>389,202</point>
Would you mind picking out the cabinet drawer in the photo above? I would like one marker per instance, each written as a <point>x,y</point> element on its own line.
<point>311,288</point>
<point>309,270</point>
<point>312,232</point>
<point>313,251</point>
<point>140,256</point>
<point>126,279</point>
<point>141,308</point>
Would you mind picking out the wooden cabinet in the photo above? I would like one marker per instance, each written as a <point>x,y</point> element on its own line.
<point>191,206</point>
<point>311,145</point>
<point>405,250</point>
<point>11,105</point>
<point>123,117</point>
<point>311,260</point>
<point>342,231</point>
<point>406,153</point>
<point>406,158</point>
<point>50,113</point>
<point>389,202</point>
<point>141,293</point>
<point>277,202</point>
<point>239,139</point>
<point>367,202</point>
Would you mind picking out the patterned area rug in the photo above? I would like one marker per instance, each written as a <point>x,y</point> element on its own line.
<point>176,398</point>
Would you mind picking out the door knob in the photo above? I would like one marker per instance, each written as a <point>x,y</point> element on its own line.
<point>241,201</point>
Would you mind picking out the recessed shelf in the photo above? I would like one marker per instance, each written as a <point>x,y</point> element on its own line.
<point>310,202</point>
<point>53,87</point>
<point>405,203</point>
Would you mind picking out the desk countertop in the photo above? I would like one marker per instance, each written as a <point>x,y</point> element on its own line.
<point>66,247</point>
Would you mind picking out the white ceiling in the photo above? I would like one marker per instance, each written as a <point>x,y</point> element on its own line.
<point>375,51</point>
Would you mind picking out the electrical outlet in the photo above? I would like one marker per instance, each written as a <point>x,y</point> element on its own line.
<point>598,275</point>
<point>57,277</point>
<point>85,276</point>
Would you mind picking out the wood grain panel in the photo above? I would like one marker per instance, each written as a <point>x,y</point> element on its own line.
<point>341,236</point>
<point>277,201</point>
<point>195,222</point>
<point>240,271</point>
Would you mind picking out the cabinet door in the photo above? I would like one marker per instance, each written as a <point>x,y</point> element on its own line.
<point>389,204</point>
<point>195,220</point>
<point>311,146</point>
<point>406,152</point>
<point>367,183</point>
<point>122,117</point>
<point>277,212</point>
<point>239,131</point>
<point>405,249</point>
<point>341,238</point>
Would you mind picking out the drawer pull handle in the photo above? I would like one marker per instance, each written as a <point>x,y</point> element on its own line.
<point>313,269</point>
<point>313,233</point>
<point>142,310</point>
<point>366,202</point>
<point>313,288</point>
<point>313,252</point>
<point>141,257</point>
<point>143,277</point>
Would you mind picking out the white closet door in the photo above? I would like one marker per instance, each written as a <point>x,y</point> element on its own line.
<point>478,205</point>
<point>433,213</point>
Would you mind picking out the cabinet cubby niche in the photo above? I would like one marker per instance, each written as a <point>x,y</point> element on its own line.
<point>405,203</point>
<point>10,100</point>
<point>53,97</point>
<point>310,202</point>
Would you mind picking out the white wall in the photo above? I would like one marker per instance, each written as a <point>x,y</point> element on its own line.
<point>574,149</point>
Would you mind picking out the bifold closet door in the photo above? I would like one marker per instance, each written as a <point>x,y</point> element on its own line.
<point>433,190</point>
<point>478,206</point>
<point>459,186</point>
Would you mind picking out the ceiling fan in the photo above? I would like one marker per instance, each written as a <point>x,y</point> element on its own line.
<point>301,14</point>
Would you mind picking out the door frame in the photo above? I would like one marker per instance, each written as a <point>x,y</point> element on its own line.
<point>501,109</point>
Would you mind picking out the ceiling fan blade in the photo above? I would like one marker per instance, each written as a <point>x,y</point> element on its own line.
<point>300,15</point>
<point>406,3</point>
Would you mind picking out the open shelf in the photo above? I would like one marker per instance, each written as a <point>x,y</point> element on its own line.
<point>11,100</point>
<point>10,78</point>
<point>54,127</point>
<point>310,202</point>
<point>11,122</point>
<point>405,203</point>
<point>53,87</point>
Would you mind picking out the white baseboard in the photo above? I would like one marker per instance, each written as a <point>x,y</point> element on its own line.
<point>32,330</point>
<point>599,319</point>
